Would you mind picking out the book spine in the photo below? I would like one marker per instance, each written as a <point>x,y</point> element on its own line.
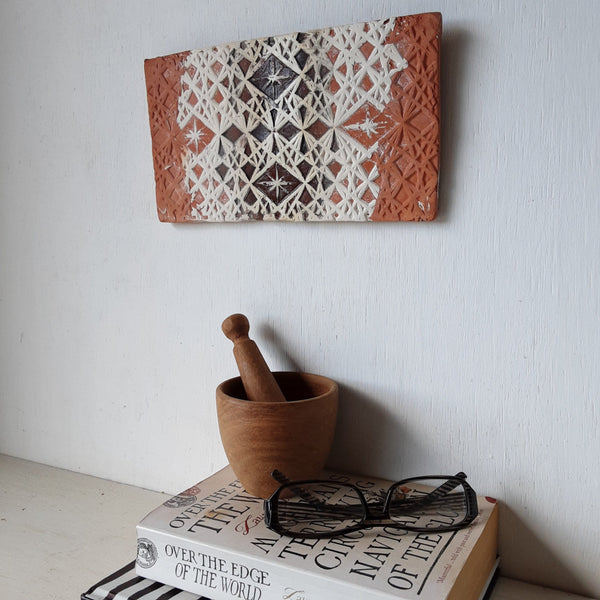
<point>223,575</point>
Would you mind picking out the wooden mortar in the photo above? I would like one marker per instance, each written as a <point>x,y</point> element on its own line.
<point>294,436</point>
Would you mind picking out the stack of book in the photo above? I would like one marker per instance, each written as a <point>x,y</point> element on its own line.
<point>210,541</point>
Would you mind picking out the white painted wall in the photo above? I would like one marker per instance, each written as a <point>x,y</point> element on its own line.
<point>470,343</point>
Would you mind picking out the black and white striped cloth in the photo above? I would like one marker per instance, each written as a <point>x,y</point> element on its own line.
<point>124,584</point>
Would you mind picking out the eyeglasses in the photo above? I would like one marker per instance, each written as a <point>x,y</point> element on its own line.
<point>328,508</point>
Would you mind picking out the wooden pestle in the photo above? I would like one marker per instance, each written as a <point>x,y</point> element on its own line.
<point>259,383</point>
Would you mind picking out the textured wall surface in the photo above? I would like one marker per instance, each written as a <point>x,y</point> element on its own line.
<point>468,343</point>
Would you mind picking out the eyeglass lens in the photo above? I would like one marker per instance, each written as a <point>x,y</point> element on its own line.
<point>321,507</point>
<point>429,503</point>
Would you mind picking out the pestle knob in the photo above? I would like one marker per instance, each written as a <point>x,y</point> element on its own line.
<point>259,383</point>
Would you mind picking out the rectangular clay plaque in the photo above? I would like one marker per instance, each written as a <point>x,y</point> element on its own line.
<point>338,124</point>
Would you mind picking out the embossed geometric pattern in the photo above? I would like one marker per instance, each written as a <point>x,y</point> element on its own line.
<point>339,124</point>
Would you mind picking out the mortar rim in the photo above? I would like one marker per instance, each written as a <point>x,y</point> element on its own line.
<point>332,388</point>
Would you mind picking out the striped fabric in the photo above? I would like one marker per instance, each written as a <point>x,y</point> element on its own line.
<point>124,584</point>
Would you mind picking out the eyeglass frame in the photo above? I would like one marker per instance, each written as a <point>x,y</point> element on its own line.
<point>370,519</point>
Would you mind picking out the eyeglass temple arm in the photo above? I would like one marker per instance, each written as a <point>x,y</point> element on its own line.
<point>297,489</point>
<point>447,486</point>
<point>437,493</point>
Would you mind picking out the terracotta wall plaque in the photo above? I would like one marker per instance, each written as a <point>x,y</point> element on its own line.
<point>339,124</point>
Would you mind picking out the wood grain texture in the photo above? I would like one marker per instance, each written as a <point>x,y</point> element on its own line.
<point>259,382</point>
<point>471,342</point>
<point>294,437</point>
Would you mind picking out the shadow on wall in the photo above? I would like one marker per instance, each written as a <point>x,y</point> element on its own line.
<point>370,437</point>
<point>522,553</point>
<point>281,347</point>
<point>364,433</point>
<point>455,50</point>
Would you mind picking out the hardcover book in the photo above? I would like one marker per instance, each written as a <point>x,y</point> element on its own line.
<point>211,540</point>
<point>124,584</point>
<point>337,124</point>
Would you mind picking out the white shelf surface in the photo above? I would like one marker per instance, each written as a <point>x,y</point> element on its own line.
<point>61,532</point>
